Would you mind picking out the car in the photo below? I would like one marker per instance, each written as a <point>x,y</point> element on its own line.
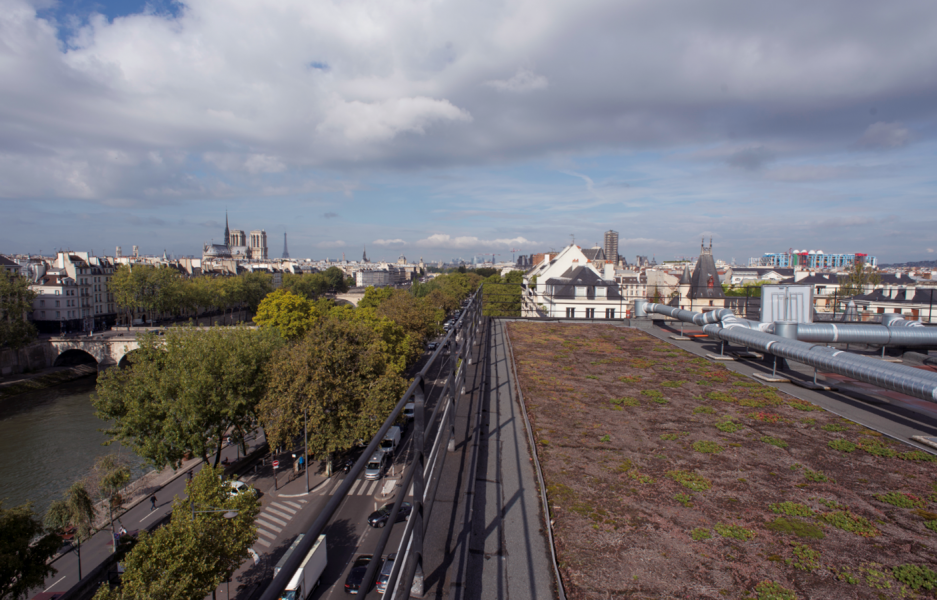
<point>379,517</point>
<point>385,573</point>
<point>375,467</point>
<point>408,411</point>
<point>432,346</point>
<point>239,487</point>
<point>358,569</point>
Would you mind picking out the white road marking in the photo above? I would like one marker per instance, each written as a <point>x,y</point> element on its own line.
<point>53,585</point>
<point>269,525</point>
<point>148,515</point>
<point>293,504</point>
<point>274,519</point>
<point>278,513</point>
<point>264,542</point>
<point>266,533</point>
<point>352,490</point>
<point>337,485</point>
<point>281,507</point>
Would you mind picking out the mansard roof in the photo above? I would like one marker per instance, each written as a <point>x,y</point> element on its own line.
<point>705,282</point>
<point>582,276</point>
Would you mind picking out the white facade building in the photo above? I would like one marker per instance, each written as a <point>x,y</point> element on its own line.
<point>568,285</point>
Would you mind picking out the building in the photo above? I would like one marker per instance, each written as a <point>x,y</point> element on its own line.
<point>56,308</point>
<point>374,278</point>
<point>702,291</point>
<point>611,246</point>
<point>811,259</point>
<point>568,285</point>
<point>258,245</point>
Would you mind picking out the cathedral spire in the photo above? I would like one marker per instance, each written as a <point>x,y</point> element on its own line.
<point>227,232</point>
<point>364,257</point>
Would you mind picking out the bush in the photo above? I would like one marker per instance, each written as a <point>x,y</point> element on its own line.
<point>774,441</point>
<point>847,521</point>
<point>700,533</point>
<point>916,577</point>
<point>735,532</point>
<point>842,445</point>
<point>793,509</point>
<point>769,590</point>
<point>707,447</point>
<point>690,480</point>
<point>901,500</point>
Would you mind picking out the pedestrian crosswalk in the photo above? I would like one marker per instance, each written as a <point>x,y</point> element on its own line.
<point>363,487</point>
<point>274,518</point>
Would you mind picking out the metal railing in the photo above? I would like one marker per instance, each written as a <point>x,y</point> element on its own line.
<point>423,471</point>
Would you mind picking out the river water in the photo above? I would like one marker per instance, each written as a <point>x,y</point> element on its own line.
<point>48,440</point>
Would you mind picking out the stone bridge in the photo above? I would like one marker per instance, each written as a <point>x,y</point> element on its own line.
<point>106,350</point>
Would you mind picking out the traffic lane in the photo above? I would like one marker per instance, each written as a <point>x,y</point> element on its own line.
<point>350,536</point>
<point>98,547</point>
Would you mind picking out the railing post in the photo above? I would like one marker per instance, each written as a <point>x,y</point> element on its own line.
<point>419,407</point>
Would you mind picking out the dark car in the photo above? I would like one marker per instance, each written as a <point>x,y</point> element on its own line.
<point>379,517</point>
<point>353,581</point>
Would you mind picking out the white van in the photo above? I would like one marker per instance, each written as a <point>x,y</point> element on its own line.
<point>391,441</point>
<point>375,467</point>
<point>408,411</point>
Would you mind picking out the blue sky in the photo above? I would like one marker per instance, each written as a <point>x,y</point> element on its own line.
<point>446,129</point>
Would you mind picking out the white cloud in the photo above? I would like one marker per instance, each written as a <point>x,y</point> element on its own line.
<point>523,81</point>
<point>930,250</point>
<point>397,242</point>
<point>442,240</point>
<point>381,121</point>
<point>885,136</point>
<point>331,244</point>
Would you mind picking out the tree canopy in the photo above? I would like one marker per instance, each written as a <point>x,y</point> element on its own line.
<point>341,375</point>
<point>184,395</point>
<point>197,550</point>
<point>289,313</point>
<point>16,299</point>
<point>25,548</point>
<point>859,280</point>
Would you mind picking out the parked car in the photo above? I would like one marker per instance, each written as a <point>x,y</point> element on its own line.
<point>358,569</point>
<point>379,517</point>
<point>432,346</point>
<point>239,487</point>
<point>408,411</point>
<point>385,573</point>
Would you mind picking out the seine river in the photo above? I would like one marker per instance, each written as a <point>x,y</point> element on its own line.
<point>48,440</point>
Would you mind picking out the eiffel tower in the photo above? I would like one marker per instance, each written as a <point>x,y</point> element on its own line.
<point>286,253</point>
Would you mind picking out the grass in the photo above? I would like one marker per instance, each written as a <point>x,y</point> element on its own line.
<point>842,445</point>
<point>796,527</point>
<point>769,590</point>
<point>690,480</point>
<point>774,441</point>
<point>876,447</point>
<point>816,476</point>
<point>707,447</point>
<point>792,509</point>
<point>735,532</point>
<point>805,558</point>
<point>901,500</point>
<point>704,410</point>
<point>917,455</point>
<point>700,533</point>
<point>728,425</point>
<point>847,521</point>
<point>683,499</point>
<point>834,427</point>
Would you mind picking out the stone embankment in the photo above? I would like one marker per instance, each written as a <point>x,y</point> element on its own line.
<point>31,382</point>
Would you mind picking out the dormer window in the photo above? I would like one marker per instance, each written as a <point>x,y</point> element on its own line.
<point>580,291</point>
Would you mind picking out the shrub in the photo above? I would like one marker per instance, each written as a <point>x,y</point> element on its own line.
<point>769,590</point>
<point>735,532</point>
<point>815,476</point>
<point>847,521</point>
<point>805,557</point>
<point>901,500</point>
<point>802,405</point>
<point>721,396</point>
<point>916,577</point>
<point>796,527</point>
<point>704,409</point>
<point>700,533</point>
<point>605,438</point>
<point>690,480</point>
<point>842,445</point>
<point>876,448</point>
<point>834,427</point>
<point>774,441</point>
<point>932,525</point>
<point>683,499</point>
<point>917,455</point>
<point>728,425</point>
<point>793,509</point>
<point>707,447</point>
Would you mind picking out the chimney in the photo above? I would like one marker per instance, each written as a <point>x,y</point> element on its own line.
<point>609,272</point>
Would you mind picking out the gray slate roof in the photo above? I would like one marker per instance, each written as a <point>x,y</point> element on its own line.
<point>705,282</point>
<point>564,287</point>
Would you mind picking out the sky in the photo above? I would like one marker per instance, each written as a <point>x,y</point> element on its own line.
<point>444,129</point>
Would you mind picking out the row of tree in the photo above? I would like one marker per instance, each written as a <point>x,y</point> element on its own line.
<point>16,301</point>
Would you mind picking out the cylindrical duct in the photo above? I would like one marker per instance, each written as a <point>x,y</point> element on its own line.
<point>786,329</point>
<point>639,308</point>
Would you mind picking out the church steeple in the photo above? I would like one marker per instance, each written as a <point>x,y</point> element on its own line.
<point>364,256</point>
<point>227,232</point>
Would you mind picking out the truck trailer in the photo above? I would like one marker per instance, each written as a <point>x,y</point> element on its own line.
<point>308,574</point>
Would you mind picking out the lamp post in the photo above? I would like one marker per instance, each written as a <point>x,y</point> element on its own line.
<point>228,514</point>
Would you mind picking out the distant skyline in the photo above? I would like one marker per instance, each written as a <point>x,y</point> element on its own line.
<point>452,129</point>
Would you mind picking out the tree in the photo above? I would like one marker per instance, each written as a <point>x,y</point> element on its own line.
<point>859,280</point>
<point>185,395</point>
<point>16,299</point>
<point>76,510</point>
<point>254,288</point>
<point>198,549</point>
<point>23,562</point>
<point>147,288</point>
<point>415,316</point>
<point>308,285</point>
<point>340,376</point>
<point>335,278</point>
<point>374,296</point>
<point>109,475</point>
<point>290,314</point>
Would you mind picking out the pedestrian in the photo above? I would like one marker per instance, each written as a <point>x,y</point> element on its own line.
<point>152,503</point>
<point>189,475</point>
<point>302,462</point>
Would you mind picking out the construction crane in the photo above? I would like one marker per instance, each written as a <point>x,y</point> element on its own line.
<point>513,250</point>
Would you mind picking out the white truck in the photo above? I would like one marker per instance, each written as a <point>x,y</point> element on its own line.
<point>309,572</point>
<point>391,441</point>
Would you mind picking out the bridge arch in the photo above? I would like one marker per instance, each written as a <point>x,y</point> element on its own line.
<point>126,359</point>
<point>74,357</point>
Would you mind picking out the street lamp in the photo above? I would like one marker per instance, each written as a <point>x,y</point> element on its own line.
<point>228,514</point>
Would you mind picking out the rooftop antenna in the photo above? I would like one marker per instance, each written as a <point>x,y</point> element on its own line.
<point>573,237</point>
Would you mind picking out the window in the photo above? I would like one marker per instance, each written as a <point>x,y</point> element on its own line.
<point>42,303</point>
<point>58,315</point>
<point>590,313</point>
<point>580,292</point>
<point>570,313</point>
<point>57,304</point>
<point>609,313</point>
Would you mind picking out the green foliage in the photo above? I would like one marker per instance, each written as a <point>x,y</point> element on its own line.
<point>655,395</point>
<point>917,455</point>
<point>916,577</point>
<point>805,558</point>
<point>707,447</point>
<point>307,285</point>
<point>876,447</point>
<point>26,548</point>
<point>683,499</point>
<point>672,384</point>
<point>290,314</point>
<point>625,401</point>
<point>847,521</point>
<point>795,527</point>
<point>501,297</point>
<point>16,300</point>
<point>834,427</point>
<point>735,532</point>
<point>340,375</point>
<point>769,590</point>
<point>417,318</point>
<point>690,480</point>
<point>728,425</point>
<point>704,410</point>
<point>184,394</point>
<point>605,438</point>
<point>701,533</point>
<point>76,509</point>
<point>858,280</point>
<point>721,396</point>
<point>842,445</point>
<point>147,288</point>
<point>901,500</point>
<point>672,437</point>
<point>192,554</point>
<point>792,509</point>
<point>831,504</point>
<point>815,476</point>
<point>932,525</point>
<point>774,441</point>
